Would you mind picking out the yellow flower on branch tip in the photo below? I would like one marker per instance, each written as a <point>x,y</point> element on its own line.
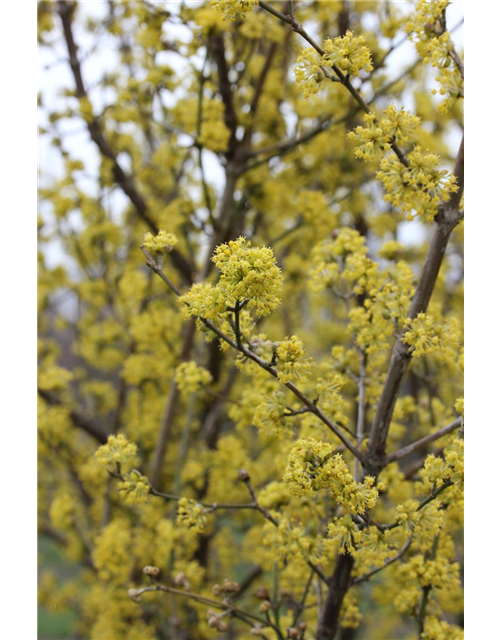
<point>134,489</point>
<point>162,241</point>
<point>117,450</point>
<point>191,515</point>
<point>349,53</point>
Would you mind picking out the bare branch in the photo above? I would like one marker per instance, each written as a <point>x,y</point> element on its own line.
<point>405,451</point>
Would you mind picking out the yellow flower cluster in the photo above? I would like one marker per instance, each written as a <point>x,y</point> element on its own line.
<point>191,515</point>
<point>417,188</point>
<point>134,489</point>
<point>375,136</point>
<point>437,470</point>
<point>54,378</point>
<point>308,72</point>
<point>345,532</point>
<point>232,8</point>
<point>269,414</point>
<point>162,241</point>
<point>117,450</point>
<point>214,135</point>
<point>436,629</point>
<point>291,361</point>
<point>460,406</point>
<point>290,541</point>
<point>438,573</point>
<point>345,256</point>
<point>426,336</point>
<point>350,615</point>
<point>349,53</point>
<point>426,28</point>
<point>330,399</point>
<point>248,274</point>
<point>189,377</point>
<point>372,138</point>
<point>203,300</point>
<point>312,466</point>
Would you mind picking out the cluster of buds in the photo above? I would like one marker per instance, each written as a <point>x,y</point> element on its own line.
<point>215,621</point>
<point>227,587</point>
<point>294,632</point>
<point>154,572</point>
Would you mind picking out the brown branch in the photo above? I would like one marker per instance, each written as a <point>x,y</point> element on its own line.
<point>369,574</point>
<point>448,217</point>
<point>216,604</point>
<point>405,451</point>
<point>225,90</point>
<point>338,586</point>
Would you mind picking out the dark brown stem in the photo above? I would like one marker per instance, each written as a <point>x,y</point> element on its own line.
<point>338,587</point>
<point>447,219</point>
<point>422,442</point>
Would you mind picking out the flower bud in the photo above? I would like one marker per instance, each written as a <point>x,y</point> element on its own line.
<point>151,571</point>
<point>243,475</point>
<point>262,593</point>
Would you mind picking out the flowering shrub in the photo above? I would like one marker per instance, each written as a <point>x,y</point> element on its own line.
<point>251,408</point>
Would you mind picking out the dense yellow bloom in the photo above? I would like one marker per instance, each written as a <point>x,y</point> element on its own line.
<point>269,414</point>
<point>249,274</point>
<point>214,135</point>
<point>425,337</point>
<point>281,243</point>
<point>437,470</point>
<point>134,489</point>
<point>313,466</point>
<point>426,29</point>
<point>54,379</point>
<point>191,515</point>
<point>117,450</point>
<point>231,9</point>
<point>349,53</point>
<point>418,189</point>
<point>190,377</point>
<point>291,361</point>
<point>309,72</point>
<point>162,241</point>
<point>345,532</point>
<point>436,629</point>
<point>373,138</point>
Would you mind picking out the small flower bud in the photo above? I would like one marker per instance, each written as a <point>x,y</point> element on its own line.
<point>216,590</point>
<point>293,632</point>
<point>265,606</point>
<point>243,475</point>
<point>134,594</point>
<point>222,626</point>
<point>181,580</point>
<point>213,622</point>
<point>151,571</point>
<point>303,626</point>
<point>262,593</point>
